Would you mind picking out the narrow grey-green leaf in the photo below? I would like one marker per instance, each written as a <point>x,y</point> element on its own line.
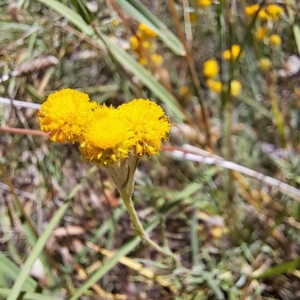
<point>139,12</point>
<point>37,249</point>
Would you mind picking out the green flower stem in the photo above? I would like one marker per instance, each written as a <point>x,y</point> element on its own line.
<point>140,229</point>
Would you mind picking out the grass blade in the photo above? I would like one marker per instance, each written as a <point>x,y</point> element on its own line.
<point>27,296</point>
<point>139,12</point>
<point>278,270</point>
<point>37,249</point>
<point>11,271</point>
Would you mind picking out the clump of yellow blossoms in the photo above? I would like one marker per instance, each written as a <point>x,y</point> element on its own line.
<point>214,85</point>
<point>232,53</point>
<point>274,11</point>
<point>271,12</point>
<point>210,71</point>
<point>251,10</point>
<point>145,30</point>
<point>106,135</point>
<point>143,41</point>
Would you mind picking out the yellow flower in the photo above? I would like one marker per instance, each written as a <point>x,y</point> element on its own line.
<point>251,10</point>
<point>134,42</point>
<point>275,40</point>
<point>144,29</point>
<point>235,88</point>
<point>193,17</point>
<point>115,22</point>
<point>65,114</point>
<point>261,33</point>
<point>149,125</point>
<point>184,91</point>
<point>157,59</point>
<point>204,3</point>
<point>233,53</point>
<point>106,140</point>
<point>211,68</point>
<point>262,15</point>
<point>214,85</point>
<point>143,61</point>
<point>264,64</point>
<point>274,11</point>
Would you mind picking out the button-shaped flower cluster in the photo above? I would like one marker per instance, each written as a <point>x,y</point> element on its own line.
<point>106,135</point>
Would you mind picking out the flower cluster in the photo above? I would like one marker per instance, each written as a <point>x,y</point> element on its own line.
<point>271,13</point>
<point>106,135</point>
<point>144,40</point>
<point>211,71</point>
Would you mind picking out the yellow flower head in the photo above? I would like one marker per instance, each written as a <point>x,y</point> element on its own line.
<point>134,42</point>
<point>214,85</point>
<point>235,88</point>
<point>264,64</point>
<point>143,61</point>
<point>261,33</point>
<point>251,10</point>
<point>149,125</point>
<point>65,114</point>
<point>274,11</point>
<point>157,59</point>
<point>204,3</point>
<point>275,40</point>
<point>233,53</point>
<point>262,15</point>
<point>106,140</point>
<point>144,29</point>
<point>211,68</point>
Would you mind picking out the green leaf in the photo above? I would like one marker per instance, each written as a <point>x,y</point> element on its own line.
<point>139,12</point>
<point>28,296</point>
<point>278,270</point>
<point>69,14</point>
<point>11,271</point>
<point>37,249</point>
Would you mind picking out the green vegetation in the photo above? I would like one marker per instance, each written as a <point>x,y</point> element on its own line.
<point>223,194</point>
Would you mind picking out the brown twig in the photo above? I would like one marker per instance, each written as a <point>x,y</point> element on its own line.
<point>23,131</point>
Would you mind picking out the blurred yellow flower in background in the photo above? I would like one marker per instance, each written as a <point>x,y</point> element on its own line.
<point>232,53</point>
<point>157,59</point>
<point>204,3</point>
<point>251,10</point>
<point>275,40</point>
<point>65,115</point>
<point>274,11</point>
<point>264,64</point>
<point>214,85</point>
<point>211,68</point>
<point>261,33</point>
<point>262,15</point>
<point>235,88</point>
<point>144,29</point>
